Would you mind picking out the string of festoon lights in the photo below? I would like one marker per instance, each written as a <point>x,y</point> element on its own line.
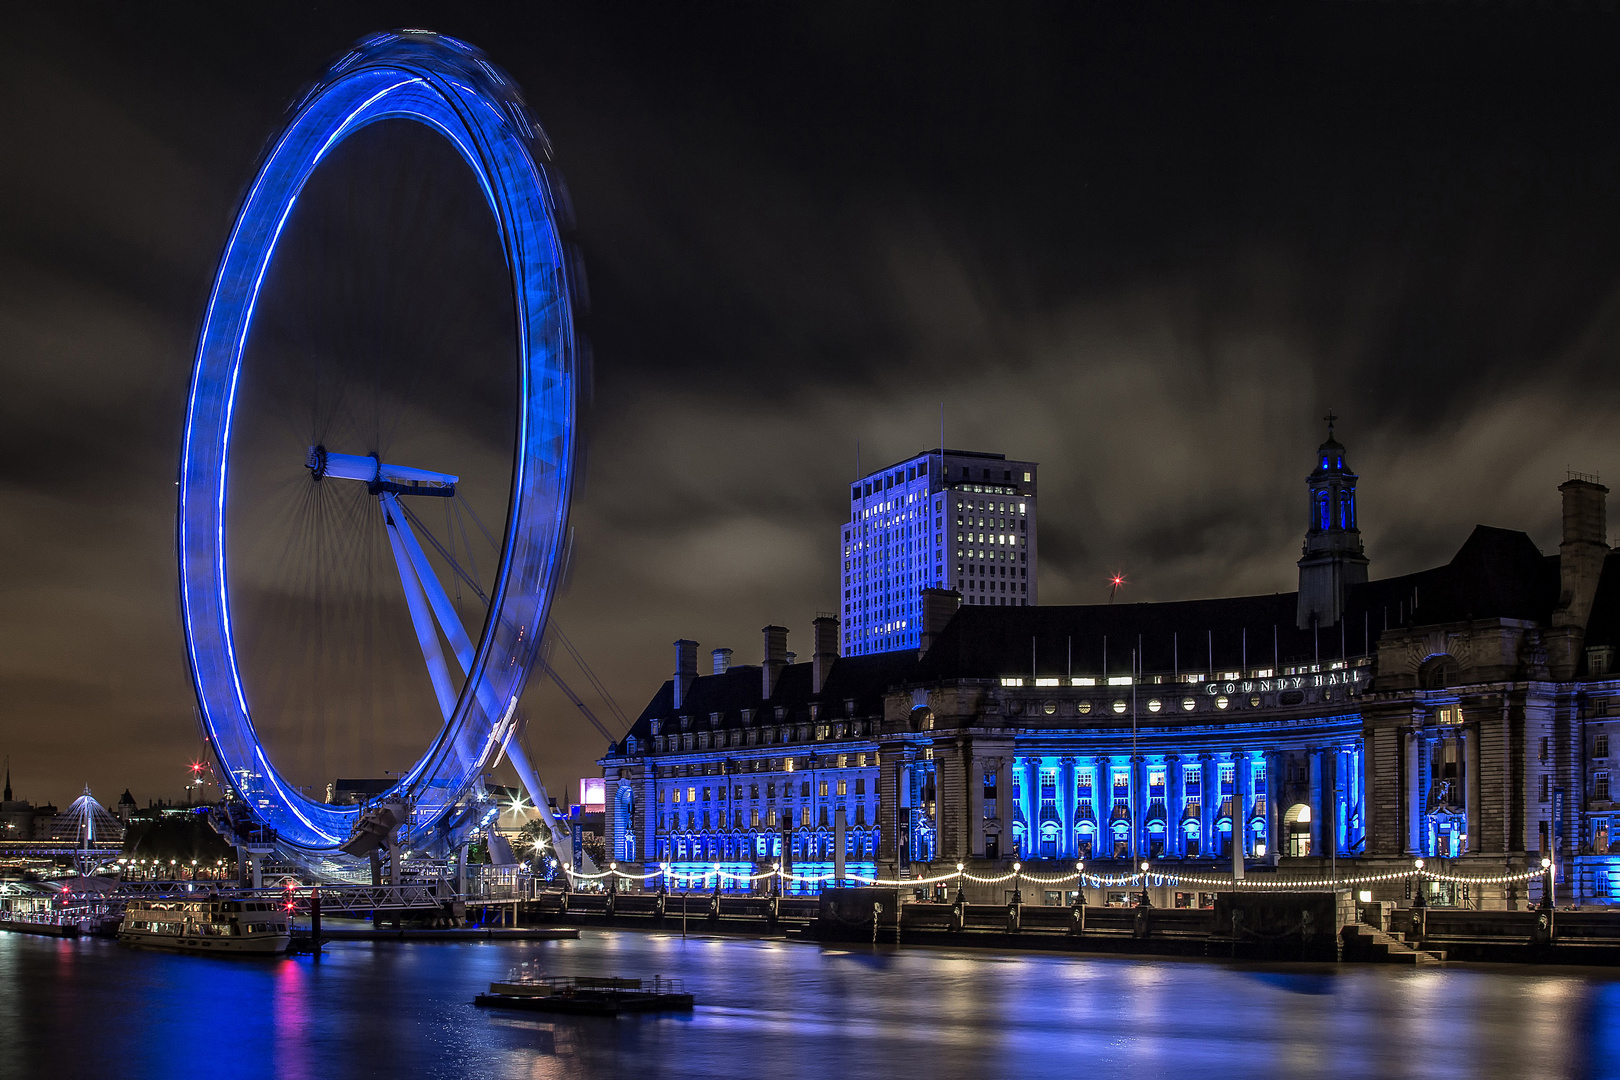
<point>1145,875</point>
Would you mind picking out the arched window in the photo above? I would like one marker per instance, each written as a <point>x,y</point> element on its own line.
<point>1324,511</point>
<point>1437,672</point>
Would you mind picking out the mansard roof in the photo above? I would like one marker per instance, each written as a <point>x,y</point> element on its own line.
<point>1497,573</point>
<point>863,679</point>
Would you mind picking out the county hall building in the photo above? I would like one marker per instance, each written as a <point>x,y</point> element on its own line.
<point>1460,714</point>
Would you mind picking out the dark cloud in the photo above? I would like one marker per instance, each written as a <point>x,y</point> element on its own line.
<point>1147,248</point>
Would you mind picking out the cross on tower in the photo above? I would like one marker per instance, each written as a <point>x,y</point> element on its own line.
<point>1330,417</point>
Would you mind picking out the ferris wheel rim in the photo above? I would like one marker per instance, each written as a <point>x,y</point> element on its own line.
<point>450,87</point>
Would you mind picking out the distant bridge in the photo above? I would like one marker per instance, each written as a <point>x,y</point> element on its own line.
<point>57,849</point>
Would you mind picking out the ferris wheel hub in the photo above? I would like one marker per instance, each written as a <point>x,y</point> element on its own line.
<point>378,475</point>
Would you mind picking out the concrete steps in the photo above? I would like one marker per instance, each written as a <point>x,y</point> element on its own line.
<point>1364,944</point>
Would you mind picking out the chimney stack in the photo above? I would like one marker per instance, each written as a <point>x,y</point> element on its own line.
<point>1580,564</point>
<point>938,609</point>
<point>821,661</point>
<point>722,661</point>
<point>775,658</point>
<point>685,669</point>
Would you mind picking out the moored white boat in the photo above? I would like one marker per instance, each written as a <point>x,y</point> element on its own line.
<point>251,927</point>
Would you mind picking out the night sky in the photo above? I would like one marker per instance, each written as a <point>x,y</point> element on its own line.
<point>1148,247</point>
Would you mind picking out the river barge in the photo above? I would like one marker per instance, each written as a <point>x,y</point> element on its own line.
<point>582,995</point>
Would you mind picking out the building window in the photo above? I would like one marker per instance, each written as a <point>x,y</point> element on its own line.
<point>1600,745</point>
<point>1542,795</point>
<point>1600,785</point>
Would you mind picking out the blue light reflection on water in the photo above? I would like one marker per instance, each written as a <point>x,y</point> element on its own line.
<point>786,1010</point>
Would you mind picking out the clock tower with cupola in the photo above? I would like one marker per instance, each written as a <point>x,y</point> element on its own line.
<point>1332,557</point>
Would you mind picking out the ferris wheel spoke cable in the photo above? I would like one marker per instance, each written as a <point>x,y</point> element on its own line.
<point>449,557</point>
<point>556,629</point>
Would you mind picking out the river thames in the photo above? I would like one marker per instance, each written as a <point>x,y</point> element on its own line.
<point>776,1009</point>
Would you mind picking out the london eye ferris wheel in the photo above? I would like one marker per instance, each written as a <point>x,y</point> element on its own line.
<point>379,444</point>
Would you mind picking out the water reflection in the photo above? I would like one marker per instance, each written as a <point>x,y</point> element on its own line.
<point>775,1009</point>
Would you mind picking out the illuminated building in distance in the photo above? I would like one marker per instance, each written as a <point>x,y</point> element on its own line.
<point>943,519</point>
<point>1464,714</point>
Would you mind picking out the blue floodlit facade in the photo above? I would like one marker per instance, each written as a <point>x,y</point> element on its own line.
<point>1463,715</point>
<point>450,87</point>
<point>945,519</point>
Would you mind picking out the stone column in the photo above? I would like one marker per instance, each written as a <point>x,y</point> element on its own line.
<point>975,824</point>
<point>1274,812</point>
<point>1139,808</point>
<point>1032,805</point>
<point>1004,803</point>
<point>1411,804</point>
<point>1369,774</point>
<point>1175,799</point>
<point>889,782</point>
<point>1065,807</point>
<point>1471,795</point>
<point>1330,801</point>
<point>1313,765</point>
<point>1209,788</point>
<point>1243,790</point>
<point>648,809</point>
<point>1425,766</point>
<point>1102,804</point>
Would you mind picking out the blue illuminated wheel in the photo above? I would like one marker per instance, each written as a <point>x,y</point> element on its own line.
<point>453,90</point>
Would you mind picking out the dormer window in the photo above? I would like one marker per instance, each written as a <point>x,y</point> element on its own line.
<point>686,723</point>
